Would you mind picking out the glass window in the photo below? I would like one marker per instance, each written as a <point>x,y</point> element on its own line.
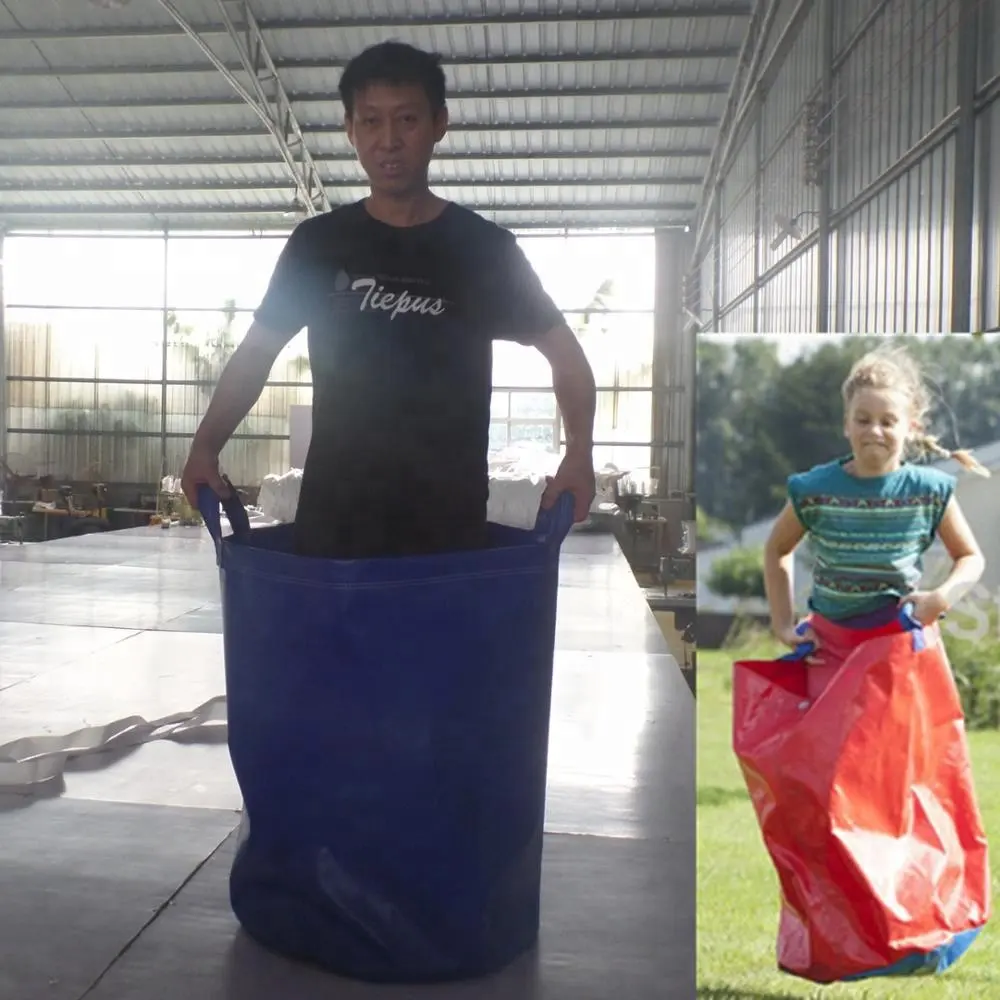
<point>584,272</point>
<point>499,435</point>
<point>517,366</point>
<point>199,343</point>
<point>87,457</point>
<point>500,405</point>
<point>206,273</point>
<point>186,405</point>
<point>544,434</point>
<point>634,460</point>
<point>533,405</point>
<point>83,271</point>
<point>624,416</point>
<point>246,462</point>
<point>84,343</point>
<point>619,346</point>
<point>80,407</point>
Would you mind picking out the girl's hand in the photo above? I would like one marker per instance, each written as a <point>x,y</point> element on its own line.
<point>928,605</point>
<point>793,639</point>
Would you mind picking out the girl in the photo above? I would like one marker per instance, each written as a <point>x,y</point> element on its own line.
<point>871,517</point>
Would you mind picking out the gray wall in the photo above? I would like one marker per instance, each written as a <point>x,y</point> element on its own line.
<point>875,126</point>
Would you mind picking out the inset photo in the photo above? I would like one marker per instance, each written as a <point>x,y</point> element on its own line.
<point>848,590</point>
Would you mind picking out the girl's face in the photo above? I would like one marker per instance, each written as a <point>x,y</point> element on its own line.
<point>877,424</point>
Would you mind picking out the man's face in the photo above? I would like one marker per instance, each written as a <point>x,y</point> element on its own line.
<point>394,131</point>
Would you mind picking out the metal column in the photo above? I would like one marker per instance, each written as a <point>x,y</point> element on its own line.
<point>965,167</point>
<point>673,365</point>
<point>164,357</point>
<point>3,362</point>
<point>824,234</point>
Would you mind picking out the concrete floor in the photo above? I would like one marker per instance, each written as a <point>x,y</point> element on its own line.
<point>113,884</point>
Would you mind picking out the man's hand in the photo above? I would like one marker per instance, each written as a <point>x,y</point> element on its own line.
<point>575,475</point>
<point>202,467</point>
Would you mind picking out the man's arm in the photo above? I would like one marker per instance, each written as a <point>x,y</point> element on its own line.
<point>576,396</point>
<point>240,386</point>
<point>573,381</point>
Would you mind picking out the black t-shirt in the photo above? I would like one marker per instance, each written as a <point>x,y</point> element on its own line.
<point>401,322</point>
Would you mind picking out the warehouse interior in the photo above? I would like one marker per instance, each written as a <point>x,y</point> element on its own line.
<point>855,188</point>
<point>155,156</point>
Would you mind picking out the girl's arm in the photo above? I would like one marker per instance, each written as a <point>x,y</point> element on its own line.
<point>779,560</point>
<point>967,567</point>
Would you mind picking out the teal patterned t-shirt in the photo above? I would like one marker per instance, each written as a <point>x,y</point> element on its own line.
<point>868,535</point>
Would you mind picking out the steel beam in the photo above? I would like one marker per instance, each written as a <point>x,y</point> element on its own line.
<point>964,190</point>
<point>750,53</point>
<point>754,82</point>
<point>285,209</point>
<point>149,186</point>
<point>138,162</point>
<point>824,256</point>
<point>528,93</point>
<point>238,226</point>
<point>489,128</point>
<point>268,100</point>
<point>713,53</point>
<point>683,12</point>
<point>3,363</point>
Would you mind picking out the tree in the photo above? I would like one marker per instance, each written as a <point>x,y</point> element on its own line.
<point>211,354</point>
<point>739,574</point>
<point>758,421</point>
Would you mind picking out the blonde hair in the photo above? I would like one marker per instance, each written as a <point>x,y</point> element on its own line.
<point>894,370</point>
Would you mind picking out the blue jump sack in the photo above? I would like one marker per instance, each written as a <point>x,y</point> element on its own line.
<point>388,726</point>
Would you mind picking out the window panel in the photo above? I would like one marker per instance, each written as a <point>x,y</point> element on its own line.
<point>543,434</point>
<point>533,405</point>
<point>619,346</point>
<point>200,343</point>
<point>634,460</point>
<point>86,457</point>
<point>186,405</point>
<point>500,405</point>
<point>83,271</point>
<point>246,462</point>
<point>80,407</point>
<point>516,366</point>
<point>581,272</point>
<point>624,416</point>
<point>206,273</point>
<point>84,343</point>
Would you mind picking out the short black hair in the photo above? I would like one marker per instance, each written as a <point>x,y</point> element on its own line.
<point>394,63</point>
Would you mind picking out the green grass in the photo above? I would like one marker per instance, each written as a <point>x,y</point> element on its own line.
<point>738,891</point>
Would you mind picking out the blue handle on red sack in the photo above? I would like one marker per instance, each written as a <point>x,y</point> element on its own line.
<point>906,619</point>
<point>209,503</point>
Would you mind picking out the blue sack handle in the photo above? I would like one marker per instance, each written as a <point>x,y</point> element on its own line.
<point>906,619</point>
<point>209,503</point>
<point>561,518</point>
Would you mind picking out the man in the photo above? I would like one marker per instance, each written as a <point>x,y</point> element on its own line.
<point>403,294</point>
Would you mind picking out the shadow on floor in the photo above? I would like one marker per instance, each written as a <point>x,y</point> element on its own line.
<point>712,796</point>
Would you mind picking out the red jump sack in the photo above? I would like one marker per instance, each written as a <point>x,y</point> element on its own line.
<point>866,805</point>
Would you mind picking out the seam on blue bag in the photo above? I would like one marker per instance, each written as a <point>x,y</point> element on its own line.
<point>387,584</point>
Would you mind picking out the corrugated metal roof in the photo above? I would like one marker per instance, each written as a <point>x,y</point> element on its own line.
<point>594,113</point>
